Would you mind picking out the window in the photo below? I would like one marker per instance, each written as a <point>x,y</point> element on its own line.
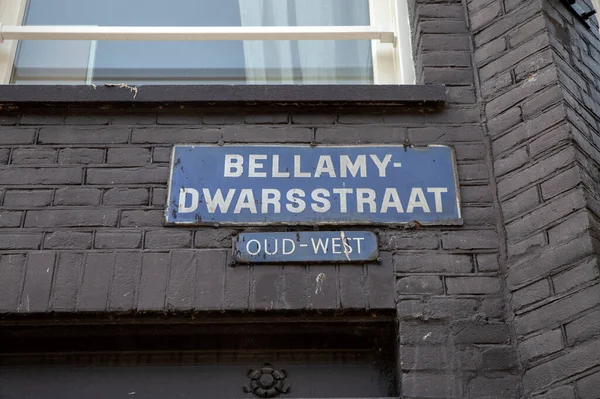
<point>330,46</point>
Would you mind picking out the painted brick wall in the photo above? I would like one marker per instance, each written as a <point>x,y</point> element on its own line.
<point>538,76</point>
<point>505,306</point>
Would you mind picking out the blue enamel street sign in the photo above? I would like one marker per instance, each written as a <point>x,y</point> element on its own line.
<point>291,184</point>
<point>322,246</point>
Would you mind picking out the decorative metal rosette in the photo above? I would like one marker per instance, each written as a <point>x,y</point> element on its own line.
<point>267,382</point>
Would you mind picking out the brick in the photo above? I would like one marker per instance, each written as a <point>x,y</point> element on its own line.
<point>504,121</point>
<point>10,218</point>
<point>323,288</point>
<point>451,308</point>
<point>445,11</point>
<point>149,175</point>
<point>208,237</point>
<point>444,42</point>
<point>472,173</point>
<point>407,240</point>
<point>77,196</point>
<point>174,136</point>
<point>560,183</point>
<point>544,261</point>
<point>420,285</point>
<point>128,156</point>
<point>210,271</point>
<point>359,135</point>
<point>422,333</point>
<point>460,95</point>
<point>564,392</point>
<point>472,285</point>
<point>469,239</point>
<point>540,345</point>
<point>475,194</point>
<point>294,286</point>
<point>490,333</point>
<point>470,152</point>
<point>12,270</point>
<point>492,308</point>
<point>439,358</point>
<point>447,58</point>
<point>530,129</point>
<point>430,385</point>
<point>533,83</point>
<point>555,312</point>
<point>81,156</point>
<point>571,227</point>
<point>67,278</point>
<point>431,134</point>
<point>588,386</point>
<point>578,275</point>
<point>352,288</point>
<point>499,357</point>
<point>163,239</point>
<point>380,283</point>
<point>181,282</point>
<point>38,281</point>
<point>512,161</point>
<point>448,75</point>
<point>485,16</point>
<point>153,282</point>
<point>237,287</point>
<point>530,294</point>
<point>79,135</point>
<point>541,101</point>
<point>535,172</point>
<point>33,156</point>
<point>490,50</point>
<point>159,196</point>
<point>96,282</point>
<point>548,213</point>
<point>68,240</point>
<point>67,218</point>
<point>584,328</point>
<point>496,84</point>
<point>409,309</point>
<point>4,155</point>
<point>125,282</point>
<point>526,31</point>
<point>14,135</point>
<point>267,286</point>
<point>487,262</point>
<point>133,117</point>
<point>126,196</point>
<point>12,240</point>
<point>432,262</point>
<point>313,118</point>
<point>497,386</point>
<point>162,154</point>
<point>118,239</point>
<point>43,117</point>
<point>503,25</point>
<point>267,118</point>
<point>443,26</point>
<point>534,63</point>
<point>42,176</point>
<point>575,361</point>
<point>153,218</point>
<point>83,116</point>
<point>180,117</point>
<point>520,204</point>
<point>27,198</point>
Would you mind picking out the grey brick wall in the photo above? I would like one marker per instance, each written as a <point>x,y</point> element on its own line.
<point>505,306</point>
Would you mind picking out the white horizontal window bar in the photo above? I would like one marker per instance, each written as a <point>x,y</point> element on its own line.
<point>70,32</point>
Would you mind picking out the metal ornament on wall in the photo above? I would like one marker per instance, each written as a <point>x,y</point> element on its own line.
<point>583,13</point>
<point>267,382</point>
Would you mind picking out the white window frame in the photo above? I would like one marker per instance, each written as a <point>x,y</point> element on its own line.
<point>389,32</point>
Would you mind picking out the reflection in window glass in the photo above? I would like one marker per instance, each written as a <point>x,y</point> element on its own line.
<point>195,62</point>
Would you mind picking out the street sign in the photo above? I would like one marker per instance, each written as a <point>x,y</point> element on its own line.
<point>322,246</point>
<point>291,184</point>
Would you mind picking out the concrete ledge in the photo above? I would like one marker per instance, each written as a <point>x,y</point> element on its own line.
<point>414,95</point>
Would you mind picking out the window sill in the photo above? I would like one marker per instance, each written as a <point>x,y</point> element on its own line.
<point>409,95</point>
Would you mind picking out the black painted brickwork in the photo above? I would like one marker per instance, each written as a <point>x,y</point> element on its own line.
<point>505,306</point>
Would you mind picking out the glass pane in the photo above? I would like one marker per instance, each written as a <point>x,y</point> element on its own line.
<point>195,62</point>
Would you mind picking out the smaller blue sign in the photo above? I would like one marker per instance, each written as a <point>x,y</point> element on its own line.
<point>299,247</point>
